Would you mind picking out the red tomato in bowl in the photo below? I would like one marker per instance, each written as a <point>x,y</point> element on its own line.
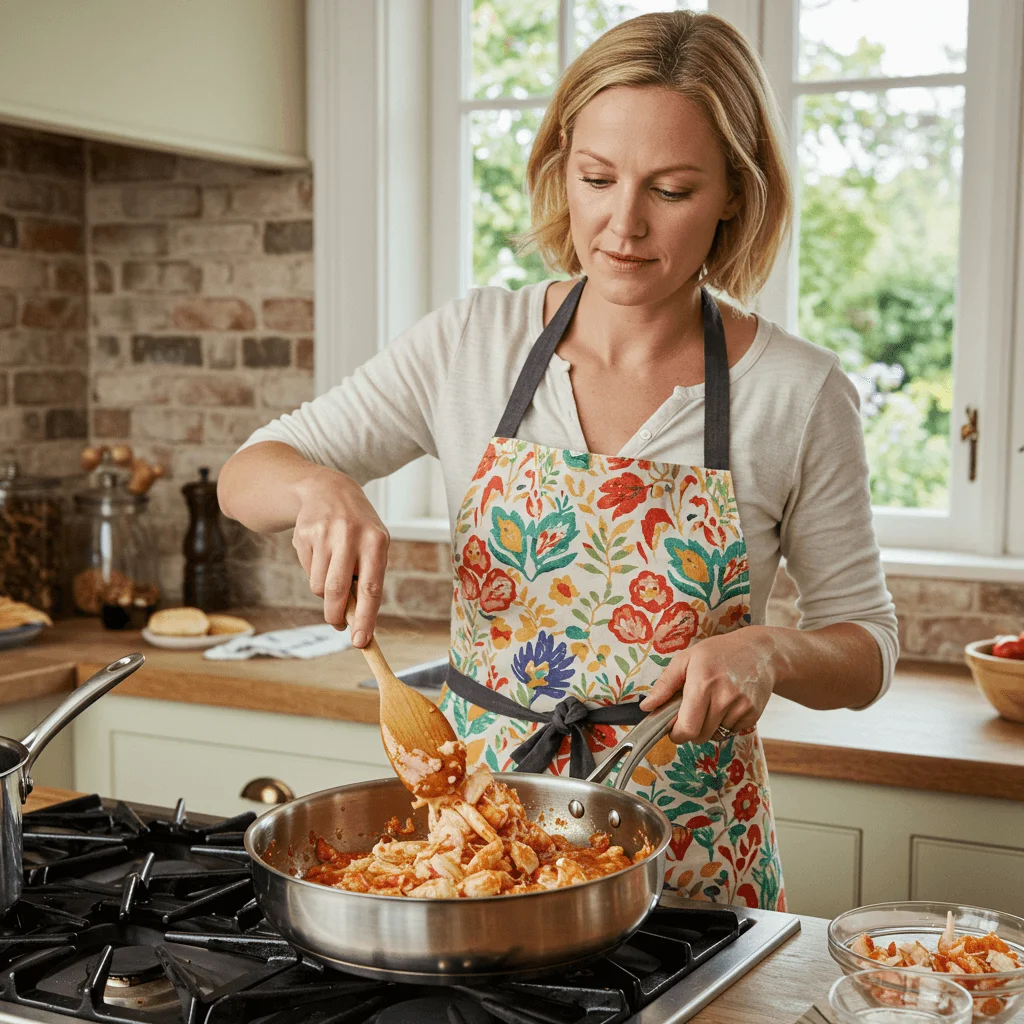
<point>1010,647</point>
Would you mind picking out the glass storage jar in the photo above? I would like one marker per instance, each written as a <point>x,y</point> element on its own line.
<point>114,555</point>
<point>31,537</point>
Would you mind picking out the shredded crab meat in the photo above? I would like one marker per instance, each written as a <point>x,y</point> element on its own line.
<point>969,957</point>
<point>479,843</point>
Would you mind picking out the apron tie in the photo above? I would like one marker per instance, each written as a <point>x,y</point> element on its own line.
<point>567,718</point>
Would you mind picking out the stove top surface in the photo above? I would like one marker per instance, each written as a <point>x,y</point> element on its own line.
<point>135,914</point>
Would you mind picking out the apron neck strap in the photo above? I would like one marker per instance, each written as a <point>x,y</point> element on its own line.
<point>716,386</point>
<point>716,375</point>
<point>536,364</point>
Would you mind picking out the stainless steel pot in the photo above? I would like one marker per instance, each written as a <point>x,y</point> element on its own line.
<point>16,760</point>
<point>463,940</point>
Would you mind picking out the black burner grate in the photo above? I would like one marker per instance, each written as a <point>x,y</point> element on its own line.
<point>130,920</point>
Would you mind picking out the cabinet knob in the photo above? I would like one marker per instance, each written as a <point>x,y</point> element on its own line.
<point>267,791</point>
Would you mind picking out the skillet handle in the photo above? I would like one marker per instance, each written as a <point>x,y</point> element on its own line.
<point>88,693</point>
<point>637,742</point>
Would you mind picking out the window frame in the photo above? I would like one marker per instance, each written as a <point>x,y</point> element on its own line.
<point>376,68</point>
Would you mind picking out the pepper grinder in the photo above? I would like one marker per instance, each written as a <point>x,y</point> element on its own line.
<point>206,579</point>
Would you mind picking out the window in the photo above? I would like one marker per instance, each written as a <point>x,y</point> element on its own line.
<point>904,148</point>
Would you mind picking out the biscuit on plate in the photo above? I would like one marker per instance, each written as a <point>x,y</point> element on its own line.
<point>179,622</point>
<point>222,624</point>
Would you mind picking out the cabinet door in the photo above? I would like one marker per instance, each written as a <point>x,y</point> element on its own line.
<point>53,767</point>
<point>974,874</point>
<point>820,867</point>
<point>156,752</point>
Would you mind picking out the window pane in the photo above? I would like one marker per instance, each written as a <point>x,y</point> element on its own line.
<point>593,18</point>
<point>860,38</point>
<point>515,48</point>
<point>879,226</point>
<point>501,141</point>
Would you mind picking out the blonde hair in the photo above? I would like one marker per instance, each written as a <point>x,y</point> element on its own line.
<point>701,57</point>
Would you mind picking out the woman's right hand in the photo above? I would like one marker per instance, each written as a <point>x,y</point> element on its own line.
<point>338,535</point>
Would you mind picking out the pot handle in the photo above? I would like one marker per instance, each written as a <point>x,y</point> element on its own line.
<point>88,693</point>
<point>636,743</point>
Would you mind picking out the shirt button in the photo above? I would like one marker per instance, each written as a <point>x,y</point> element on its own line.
<point>645,434</point>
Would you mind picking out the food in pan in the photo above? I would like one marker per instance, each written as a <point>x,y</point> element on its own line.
<point>963,956</point>
<point>479,843</point>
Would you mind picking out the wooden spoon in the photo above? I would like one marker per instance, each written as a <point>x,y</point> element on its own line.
<point>414,730</point>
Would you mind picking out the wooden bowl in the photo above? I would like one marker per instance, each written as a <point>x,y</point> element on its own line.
<point>1001,680</point>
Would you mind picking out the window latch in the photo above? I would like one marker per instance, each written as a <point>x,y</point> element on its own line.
<point>969,433</point>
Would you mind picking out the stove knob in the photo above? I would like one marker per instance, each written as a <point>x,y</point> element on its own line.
<point>267,791</point>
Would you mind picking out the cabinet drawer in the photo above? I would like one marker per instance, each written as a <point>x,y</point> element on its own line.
<point>156,752</point>
<point>820,867</point>
<point>159,770</point>
<point>975,874</point>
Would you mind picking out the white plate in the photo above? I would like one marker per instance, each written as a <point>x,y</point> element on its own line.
<point>18,635</point>
<point>191,643</point>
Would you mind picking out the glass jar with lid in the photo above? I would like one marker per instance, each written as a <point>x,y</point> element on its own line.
<point>31,537</point>
<point>114,557</point>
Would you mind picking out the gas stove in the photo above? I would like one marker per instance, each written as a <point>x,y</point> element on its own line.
<point>138,914</point>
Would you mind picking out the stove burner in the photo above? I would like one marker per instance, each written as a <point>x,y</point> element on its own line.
<point>137,980</point>
<point>133,965</point>
<point>435,1010</point>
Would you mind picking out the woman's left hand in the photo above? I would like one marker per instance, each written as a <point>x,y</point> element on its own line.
<point>726,681</point>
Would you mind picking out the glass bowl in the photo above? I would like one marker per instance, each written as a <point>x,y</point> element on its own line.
<point>899,997</point>
<point>997,996</point>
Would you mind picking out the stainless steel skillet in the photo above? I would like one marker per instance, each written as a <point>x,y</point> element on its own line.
<point>463,940</point>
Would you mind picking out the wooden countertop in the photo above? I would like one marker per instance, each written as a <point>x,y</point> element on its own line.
<point>932,731</point>
<point>777,991</point>
<point>325,687</point>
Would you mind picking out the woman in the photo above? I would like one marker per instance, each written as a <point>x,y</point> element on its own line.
<point>600,563</point>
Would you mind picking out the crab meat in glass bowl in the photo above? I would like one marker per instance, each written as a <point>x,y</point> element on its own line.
<point>982,950</point>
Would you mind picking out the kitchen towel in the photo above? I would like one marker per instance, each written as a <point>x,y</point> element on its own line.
<point>302,642</point>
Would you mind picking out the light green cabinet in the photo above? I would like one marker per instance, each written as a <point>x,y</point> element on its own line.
<point>54,765</point>
<point>152,751</point>
<point>845,844</point>
<point>810,851</point>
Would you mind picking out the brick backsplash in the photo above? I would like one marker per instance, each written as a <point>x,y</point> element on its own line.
<point>936,617</point>
<point>167,301</point>
<point>44,350</point>
<point>200,307</point>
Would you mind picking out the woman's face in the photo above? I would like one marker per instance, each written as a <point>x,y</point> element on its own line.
<point>646,179</point>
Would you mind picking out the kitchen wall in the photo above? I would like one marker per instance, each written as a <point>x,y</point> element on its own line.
<point>201,320</point>
<point>168,302</point>
<point>936,617</point>
<point>201,301</point>
<point>164,301</point>
<point>44,352</point>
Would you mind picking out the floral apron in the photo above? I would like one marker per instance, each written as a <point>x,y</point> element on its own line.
<point>577,577</point>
